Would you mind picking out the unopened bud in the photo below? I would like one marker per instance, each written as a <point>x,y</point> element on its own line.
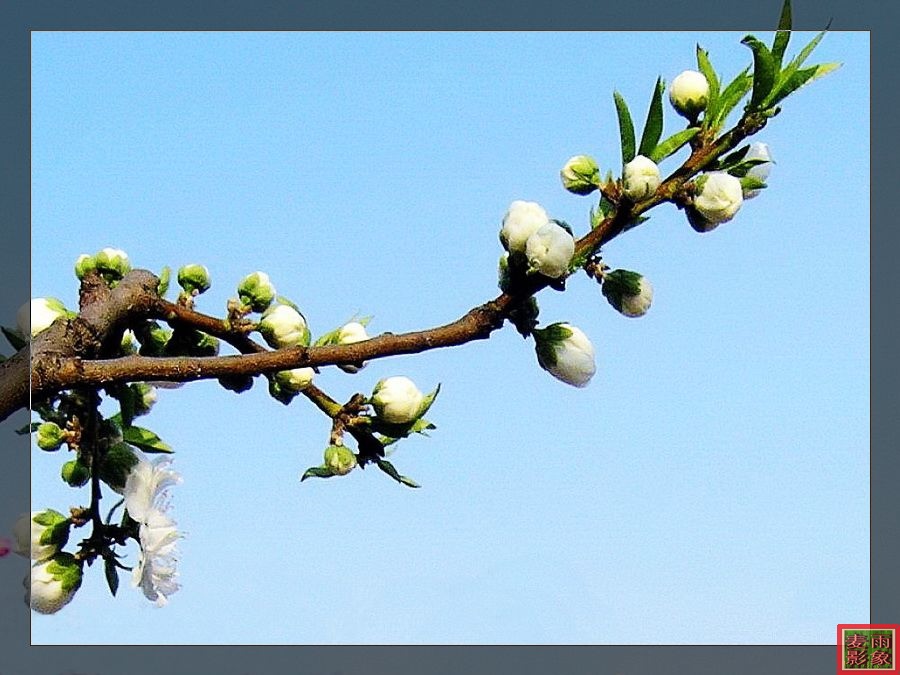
<point>194,279</point>
<point>50,436</point>
<point>580,175</point>
<point>339,460</point>
<point>257,291</point>
<point>689,94</point>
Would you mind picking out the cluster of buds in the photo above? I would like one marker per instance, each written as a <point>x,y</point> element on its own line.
<point>546,245</point>
<point>55,575</point>
<point>110,263</point>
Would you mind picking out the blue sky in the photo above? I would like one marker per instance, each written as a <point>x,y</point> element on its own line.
<point>709,486</point>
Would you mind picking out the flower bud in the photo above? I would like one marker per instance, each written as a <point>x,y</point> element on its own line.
<point>144,397</point>
<point>629,292</point>
<point>129,343</point>
<point>53,583</point>
<point>257,291</point>
<point>351,332</point>
<point>640,178</point>
<point>760,171</point>
<point>154,340</point>
<point>339,460</point>
<point>84,264</point>
<point>50,436</point>
<point>689,94</point>
<point>719,198</point>
<point>565,352</point>
<point>112,263</point>
<point>117,464</point>
<point>38,315</point>
<point>397,400</point>
<point>549,250</point>
<point>194,279</point>
<point>75,473</point>
<point>580,175</point>
<point>283,326</point>
<point>41,534</point>
<point>521,221</point>
<point>294,380</point>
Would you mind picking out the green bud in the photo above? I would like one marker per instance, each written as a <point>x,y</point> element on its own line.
<point>117,464</point>
<point>154,340</point>
<point>580,175</point>
<point>257,291</point>
<point>75,473</point>
<point>50,436</point>
<point>84,265</point>
<point>339,460</point>
<point>112,263</point>
<point>144,397</point>
<point>294,380</point>
<point>194,279</point>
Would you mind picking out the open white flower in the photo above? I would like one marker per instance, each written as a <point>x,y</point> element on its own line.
<point>521,221</point>
<point>146,499</point>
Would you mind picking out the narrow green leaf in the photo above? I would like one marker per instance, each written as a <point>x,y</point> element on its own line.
<point>654,125</point>
<point>742,168</point>
<point>164,277</point>
<point>752,183</point>
<point>801,78</point>
<point>316,472</point>
<point>783,35</point>
<point>389,469</point>
<point>763,71</point>
<point>788,73</point>
<point>732,95</point>
<point>15,340</point>
<point>112,574</point>
<point>144,439</point>
<point>673,144</point>
<point>732,159</point>
<point>709,73</point>
<point>626,128</point>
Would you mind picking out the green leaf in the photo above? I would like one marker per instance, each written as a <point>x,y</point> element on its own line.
<point>712,79</point>
<point>741,169</point>
<point>732,95</point>
<point>732,159</point>
<point>144,439</point>
<point>800,78</point>
<point>673,144</point>
<point>783,35</point>
<point>428,401</point>
<point>316,472</point>
<point>789,72</point>
<point>752,183</point>
<point>112,574</point>
<point>163,284</point>
<point>763,72</point>
<point>15,340</point>
<point>654,125</point>
<point>389,469</point>
<point>626,128</point>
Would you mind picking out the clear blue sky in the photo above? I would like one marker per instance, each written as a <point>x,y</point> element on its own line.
<point>709,486</point>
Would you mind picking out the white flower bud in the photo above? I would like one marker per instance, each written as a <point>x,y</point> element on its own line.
<point>521,221</point>
<point>39,314</point>
<point>351,332</point>
<point>397,400</point>
<point>689,93</point>
<point>40,534</point>
<point>549,250</point>
<point>295,380</point>
<point>194,277</point>
<point>52,583</point>
<point>83,265</point>
<point>565,352</point>
<point>283,326</point>
<point>113,263</point>
<point>640,178</point>
<point>339,460</point>
<point>719,199</point>
<point>629,292</point>
<point>257,291</point>
<point>580,175</point>
<point>760,171</point>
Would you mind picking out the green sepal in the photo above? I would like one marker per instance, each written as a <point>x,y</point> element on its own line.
<point>654,124</point>
<point>626,128</point>
<point>782,35</point>
<point>763,72</point>
<point>65,568</point>
<point>545,339</point>
<point>279,393</point>
<point>673,144</point>
<point>145,439</point>
<point>15,340</point>
<point>389,469</point>
<point>316,472</point>
<point>712,103</point>
<point>163,286</point>
<point>117,464</point>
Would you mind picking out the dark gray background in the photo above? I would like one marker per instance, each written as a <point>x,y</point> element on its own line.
<point>18,18</point>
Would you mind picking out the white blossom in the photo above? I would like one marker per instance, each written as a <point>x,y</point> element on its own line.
<point>549,250</point>
<point>719,199</point>
<point>283,326</point>
<point>52,583</point>
<point>521,221</point>
<point>397,400</point>
<point>689,93</point>
<point>580,175</point>
<point>351,332</point>
<point>40,535</point>
<point>640,178</point>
